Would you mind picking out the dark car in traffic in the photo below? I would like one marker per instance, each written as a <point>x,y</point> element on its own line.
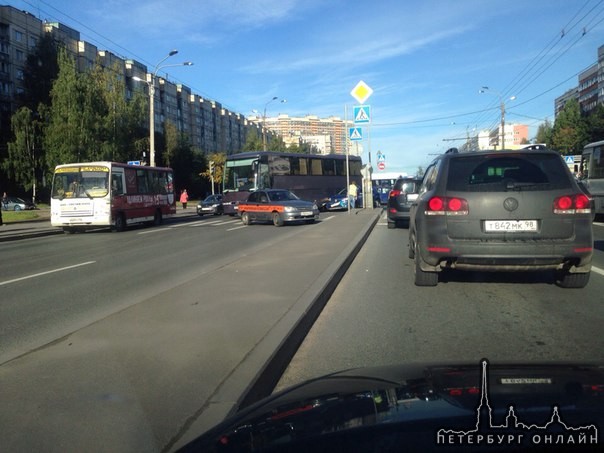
<point>400,198</point>
<point>339,201</point>
<point>515,211</point>
<point>277,206</point>
<point>212,204</point>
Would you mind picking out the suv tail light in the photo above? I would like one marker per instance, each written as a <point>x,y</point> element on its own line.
<point>447,206</point>
<point>572,204</point>
<point>394,193</point>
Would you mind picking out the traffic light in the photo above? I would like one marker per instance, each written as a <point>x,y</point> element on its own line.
<point>211,167</point>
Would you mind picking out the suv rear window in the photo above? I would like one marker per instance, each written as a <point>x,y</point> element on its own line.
<point>492,173</point>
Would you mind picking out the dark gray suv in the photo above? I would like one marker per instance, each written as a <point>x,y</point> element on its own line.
<point>501,211</point>
<point>401,197</point>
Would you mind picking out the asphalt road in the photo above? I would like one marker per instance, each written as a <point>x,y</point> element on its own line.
<point>138,341</point>
<point>377,316</point>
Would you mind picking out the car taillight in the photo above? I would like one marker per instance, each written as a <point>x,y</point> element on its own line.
<point>447,206</point>
<point>572,204</point>
<point>394,193</point>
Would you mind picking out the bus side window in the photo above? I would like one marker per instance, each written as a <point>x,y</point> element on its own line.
<point>264,181</point>
<point>117,186</point>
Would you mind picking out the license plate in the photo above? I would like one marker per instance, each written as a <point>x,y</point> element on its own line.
<point>306,213</point>
<point>510,225</point>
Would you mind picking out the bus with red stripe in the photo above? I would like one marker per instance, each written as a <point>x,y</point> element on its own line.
<point>110,194</point>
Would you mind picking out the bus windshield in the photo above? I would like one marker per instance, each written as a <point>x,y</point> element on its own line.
<point>240,174</point>
<point>80,182</point>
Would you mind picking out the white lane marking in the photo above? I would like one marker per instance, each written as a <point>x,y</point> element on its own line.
<point>597,270</point>
<point>186,224</point>
<point>214,222</point>
<point>46,273</point>
<point>237,228</point>
<point>327,218</point>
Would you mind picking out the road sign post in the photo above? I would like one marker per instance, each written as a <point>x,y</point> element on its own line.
<point>362,115</point>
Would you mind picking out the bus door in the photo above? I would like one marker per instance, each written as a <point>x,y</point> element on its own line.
<point>591,174</point>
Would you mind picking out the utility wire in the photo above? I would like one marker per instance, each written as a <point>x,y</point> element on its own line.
<point>569,26</point>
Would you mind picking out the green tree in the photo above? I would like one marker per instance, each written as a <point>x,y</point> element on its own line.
<point>595,122</point>
<point>253,140</point>
<point>302,148</point>
<point>275,143</point>
<point>218,160</point>
<point>75,116</point>
<point>121,134</point>
<point>544,133</point>
<point>570,131</point>
<point>25,163</point>
<point>184,160</point>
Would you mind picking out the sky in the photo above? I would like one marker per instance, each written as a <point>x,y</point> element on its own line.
<point>425,60</point>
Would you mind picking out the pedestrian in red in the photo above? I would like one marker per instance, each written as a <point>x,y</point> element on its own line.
<point>184,197</point>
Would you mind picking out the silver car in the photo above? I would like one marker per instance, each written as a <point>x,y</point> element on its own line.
<point>277,206</point>
<point>17,204</point>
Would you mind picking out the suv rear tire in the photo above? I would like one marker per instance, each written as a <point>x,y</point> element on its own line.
<point>572,280</point>
<point>423,278</point>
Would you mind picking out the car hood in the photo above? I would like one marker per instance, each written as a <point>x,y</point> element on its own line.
<point>417,407</point>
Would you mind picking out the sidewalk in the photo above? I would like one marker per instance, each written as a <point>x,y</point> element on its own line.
<point>156,375</point>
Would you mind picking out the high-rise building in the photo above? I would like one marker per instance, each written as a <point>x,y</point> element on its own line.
<point>326,135</point>
<point>590,89</point>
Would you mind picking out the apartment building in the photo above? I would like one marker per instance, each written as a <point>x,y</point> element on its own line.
<point>209,126</point>
<point>515,136</point>
<point>590,89</point>
<point>327,135</point>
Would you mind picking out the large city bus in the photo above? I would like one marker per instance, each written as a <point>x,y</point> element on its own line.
<point>591,173</point>
<point>311,177</point>
<point>109,194</point>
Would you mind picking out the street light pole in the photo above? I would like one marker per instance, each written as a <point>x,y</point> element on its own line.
<point>264,123</point>
<point>264,144</point>
<point>502,108</point>
<point>151,84</point>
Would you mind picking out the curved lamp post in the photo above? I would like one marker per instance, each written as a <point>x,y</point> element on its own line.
<point>502,107</point>
<point>264,121</point>
<point>151,84</point>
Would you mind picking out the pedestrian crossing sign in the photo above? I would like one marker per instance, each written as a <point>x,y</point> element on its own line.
<point>362,114</point>
<point>355,133</point>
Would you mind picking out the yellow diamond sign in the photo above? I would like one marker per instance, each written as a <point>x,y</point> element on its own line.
<point>361,92</point>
